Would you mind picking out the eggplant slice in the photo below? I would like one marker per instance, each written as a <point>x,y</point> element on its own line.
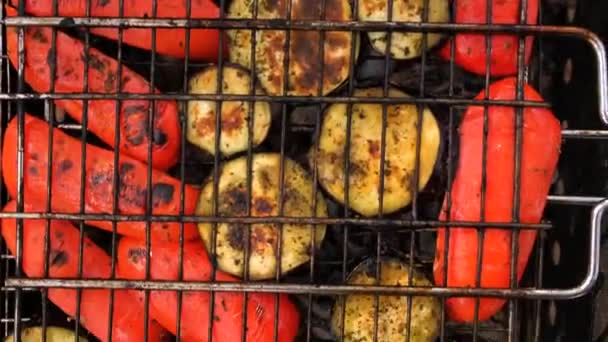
<point>404,45</point>
<point>53,334</point>
<point>359,310</point>
<point>234,136</point>
<point>304,46</point>
<point>365,152</point>
<point>231,238</point>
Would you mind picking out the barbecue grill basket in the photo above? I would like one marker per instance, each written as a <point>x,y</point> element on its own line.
<point>571,223</point>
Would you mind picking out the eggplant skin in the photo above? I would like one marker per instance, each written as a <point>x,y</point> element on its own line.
<point>359,310</point>
<point>365,152</point>
<point>53,334</point>
<point>231,238</point>
<point>234,135</point>
<point>305,60</point>
<point>404,45</point>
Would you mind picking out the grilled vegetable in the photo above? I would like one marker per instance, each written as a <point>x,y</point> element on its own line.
<point>204,43</point>
<point>64,246</point>
<point>404,45</point>
<point>195,309</point>
<point>470,52</point>
<point>359,310</point>
<point>102,78</point>
<point>541,138</point>
<point>67,165</point>
<point>235,114</point>
<point>304,46</point>
<point>365,152</point>
<point>53,334</point>
<point>231,239</point>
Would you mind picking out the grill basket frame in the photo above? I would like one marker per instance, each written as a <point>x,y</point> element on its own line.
<point>16,286</point>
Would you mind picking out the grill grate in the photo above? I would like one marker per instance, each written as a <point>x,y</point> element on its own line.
<point>407,234</point>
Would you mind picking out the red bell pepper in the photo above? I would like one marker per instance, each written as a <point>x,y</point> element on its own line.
<point>539,155</point>
<point>228,308</point>
<point>204,43</point>
<point>470,48</point>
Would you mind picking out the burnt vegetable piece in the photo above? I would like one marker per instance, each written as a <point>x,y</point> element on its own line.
<point>67,165</point>
<point>64,254</point>
<point>204,43</point>
<point>404,45</point>
<point>541,141</point>
<point>53,334</point>
<point>232,238</point>
<point>234,135</point>
<point>359,310</point>
<point>70,60</point>
<point>365,152</point>
<point>304,53</point>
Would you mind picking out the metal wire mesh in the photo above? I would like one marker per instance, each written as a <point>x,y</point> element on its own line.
<point>324,277</point>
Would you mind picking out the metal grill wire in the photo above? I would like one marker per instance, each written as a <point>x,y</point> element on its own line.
<point>17,286</point>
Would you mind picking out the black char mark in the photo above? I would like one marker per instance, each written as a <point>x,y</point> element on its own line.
<point>51,59</point>
<point>237,236</point>
<point>130,193</point>
<point>94,62</point>
<point>65,165</point>
<point>99,178</point>
<point>135,123</point>
<point>58,258</point>
<point>262,206</point>
<point>58,234</point>
<point>124,168</point>
<point>102,3</point>
<point>234,202</point>
<point>38,34</point>
<point>136,254</point>
<point>109,82</point>
<point>162,193</point>
<point>159,137</point>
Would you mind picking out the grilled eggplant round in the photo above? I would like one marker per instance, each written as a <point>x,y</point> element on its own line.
<point>359,310</point>
<point>53,334</point>
<point>234,136</point>
<point>365,152</point>
<point>231,238</point>
<point>304,46</point>
<point>404,45</point>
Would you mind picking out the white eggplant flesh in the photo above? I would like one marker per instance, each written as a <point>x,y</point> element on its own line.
<point>365,152</point>
<point>231,238</point>
<point>305,62</point>
<point>359,310</point>
<point>234,136</point>
<point>404,45</point>
<point>53,334</point>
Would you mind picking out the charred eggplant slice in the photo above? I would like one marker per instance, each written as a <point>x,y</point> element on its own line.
<point>365,152</point>
<point>231,238</point>
<point>404,45</point>
<point>234,136</point>
<point>304,46</point>
<point>53,334</point>
<point>359,310</point>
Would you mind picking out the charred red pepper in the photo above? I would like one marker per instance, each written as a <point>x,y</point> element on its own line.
<point>228,308</point>
<point>539,155</point>
<point>204,43</point>
<point>102,77</point>
<point>470,48</point>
